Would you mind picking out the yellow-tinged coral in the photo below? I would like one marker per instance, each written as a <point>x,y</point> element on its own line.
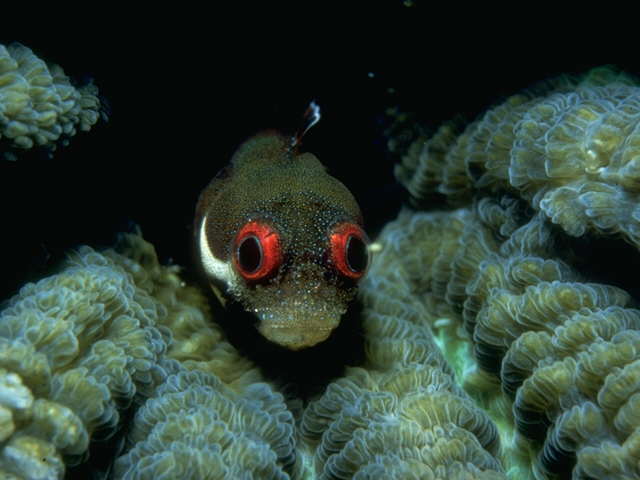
<point>564,349</point>
<point>194,427</point>
<point>38,104</point>
<point>74,349</point>
<point>196,341</point>
<point>483,349</point>
<point>402,414</point>
<point>78,347</point>
<point>209,415</point>
<point>571,148</point>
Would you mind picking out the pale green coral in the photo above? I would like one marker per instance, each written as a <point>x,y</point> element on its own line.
<point>74,349</point>
<point>402,414</point>
<point>486,355</point>
<point>197,426</point>
<point>38,104</point>
<point>80,346</point>
<point>209,415</point>
<point>571,148</point>
<point>194,427</point>
<point>196,341</point>
<point>564,348</point>
<point>556,343</point>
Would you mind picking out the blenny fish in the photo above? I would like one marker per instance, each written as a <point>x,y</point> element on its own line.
<point>276,233</point>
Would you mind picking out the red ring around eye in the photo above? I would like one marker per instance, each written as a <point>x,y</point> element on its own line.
<point>256,251</point>
<point>349,250</point>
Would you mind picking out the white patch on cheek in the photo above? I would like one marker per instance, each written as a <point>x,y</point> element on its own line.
<point>213,266</point>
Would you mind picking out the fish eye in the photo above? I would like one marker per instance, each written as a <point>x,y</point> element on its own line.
<point>257,253</point>
<point>250,254</point>
<point>349,253</point>
<point>356,254</point>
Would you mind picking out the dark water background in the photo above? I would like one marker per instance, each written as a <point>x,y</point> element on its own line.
<point>181,103</point>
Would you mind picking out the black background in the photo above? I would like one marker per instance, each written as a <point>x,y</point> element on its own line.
<point>183,96</point>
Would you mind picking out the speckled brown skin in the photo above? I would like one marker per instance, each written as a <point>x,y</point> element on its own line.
<point>291,192</point>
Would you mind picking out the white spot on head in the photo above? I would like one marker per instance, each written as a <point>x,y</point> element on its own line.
<point>374,247</point>
<point>214,267</point>
<point>310,118</point>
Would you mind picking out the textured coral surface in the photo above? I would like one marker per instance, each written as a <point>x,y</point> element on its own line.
<point>571,147</point>
<point>561,348</point>
<point>488,354</point>
<point>564,350</point>
<point>38,104</point>
<point>114,333</point>
<point>76,348</point>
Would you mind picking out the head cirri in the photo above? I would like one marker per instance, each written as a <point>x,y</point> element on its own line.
<point>278,234</point>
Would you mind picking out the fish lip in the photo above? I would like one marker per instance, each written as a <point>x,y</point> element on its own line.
<point>298,320</point>
<point>311,327</point>
<point>294,336</point>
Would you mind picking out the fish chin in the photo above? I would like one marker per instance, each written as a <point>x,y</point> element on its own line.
<point>296,326</point>
<point>299,310</point>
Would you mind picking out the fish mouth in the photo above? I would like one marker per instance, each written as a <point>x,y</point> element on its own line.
<point>298,330</point>
<point>301,310</point>
<point>292,338</point>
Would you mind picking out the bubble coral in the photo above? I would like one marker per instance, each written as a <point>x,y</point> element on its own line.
<point>210,414</point>
<point>563,349</point>
<point>75,349</point>
<point>570,147</point>
<point>402,414</point>
<point>194,427</point>
<point>490,279</point>
<point>109,332</point>
<point>474,325</point>
<point>38,104</point>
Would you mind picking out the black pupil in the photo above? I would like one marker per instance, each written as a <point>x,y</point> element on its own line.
<point>356,254</point>
<point>250,254</point>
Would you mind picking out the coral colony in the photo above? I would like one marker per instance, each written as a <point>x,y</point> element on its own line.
<point>487,353</point>
<point>38,104</point>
